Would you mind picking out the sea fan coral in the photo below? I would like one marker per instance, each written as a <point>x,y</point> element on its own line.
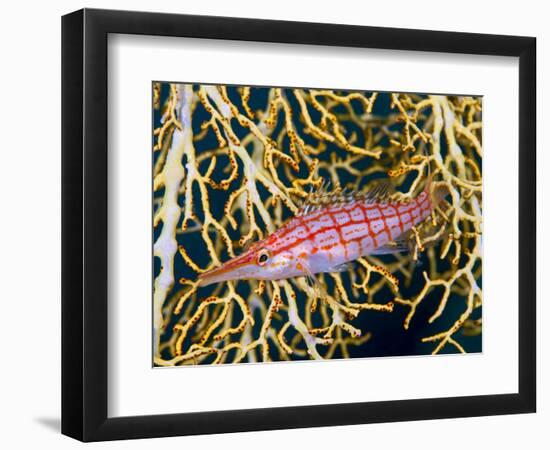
<point>233,163</point>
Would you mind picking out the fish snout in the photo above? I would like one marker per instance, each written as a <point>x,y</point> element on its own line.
<point>234,269</point>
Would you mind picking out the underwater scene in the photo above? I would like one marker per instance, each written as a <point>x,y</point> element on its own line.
<point>295,224</point>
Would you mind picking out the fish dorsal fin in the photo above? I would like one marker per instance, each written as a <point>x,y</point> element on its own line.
<point>322,196</point>
<point>377,191</point>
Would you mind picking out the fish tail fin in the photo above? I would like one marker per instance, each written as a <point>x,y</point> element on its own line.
<point>436,191</point>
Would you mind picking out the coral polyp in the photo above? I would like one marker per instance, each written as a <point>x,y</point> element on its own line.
<point>234,164</point>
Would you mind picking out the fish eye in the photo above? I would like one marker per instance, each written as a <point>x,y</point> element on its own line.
<point>263,256</point>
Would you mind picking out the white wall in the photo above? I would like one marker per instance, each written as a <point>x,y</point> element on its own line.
<point>30,226</point>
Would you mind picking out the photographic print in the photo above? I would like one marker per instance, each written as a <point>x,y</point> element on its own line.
<point>297,224</point>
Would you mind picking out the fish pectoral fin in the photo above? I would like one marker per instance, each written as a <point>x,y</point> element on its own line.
<point>318,288</point>
<point>314,282</point>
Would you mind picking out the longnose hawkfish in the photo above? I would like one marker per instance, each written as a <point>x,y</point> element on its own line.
<point>329,231</point>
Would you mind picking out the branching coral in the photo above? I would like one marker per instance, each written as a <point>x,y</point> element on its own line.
<point>233,163</point>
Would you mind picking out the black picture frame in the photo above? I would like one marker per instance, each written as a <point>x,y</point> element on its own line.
<point>84,224</point>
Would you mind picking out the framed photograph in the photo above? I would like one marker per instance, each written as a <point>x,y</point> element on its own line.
<point>274,225</point>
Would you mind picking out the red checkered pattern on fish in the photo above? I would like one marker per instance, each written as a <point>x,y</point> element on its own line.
<point>357,228</point>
